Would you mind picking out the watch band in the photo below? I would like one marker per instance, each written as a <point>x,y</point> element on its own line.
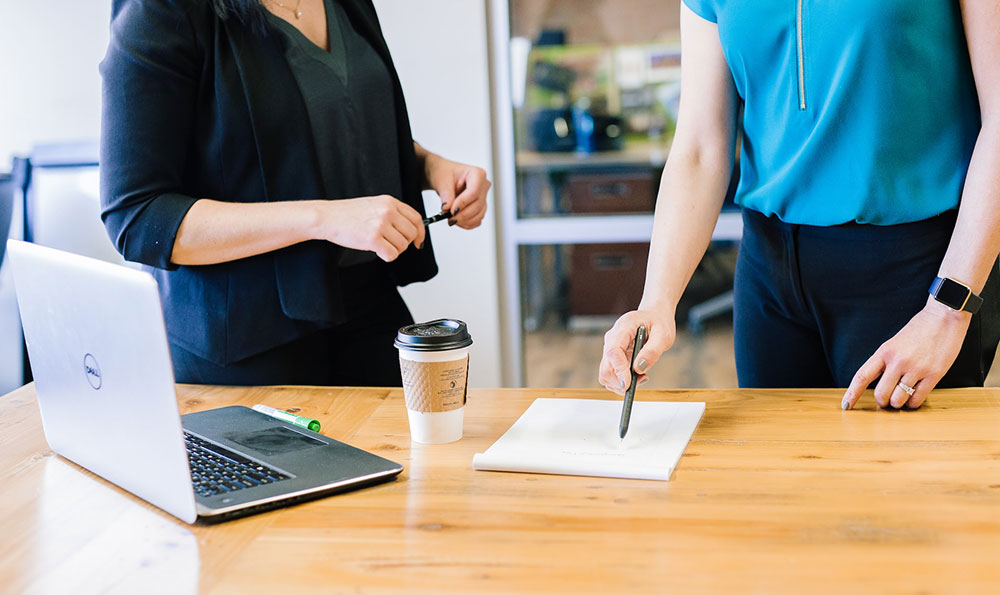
<point>955,294</point>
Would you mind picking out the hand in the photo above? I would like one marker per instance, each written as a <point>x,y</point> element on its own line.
<point>614,373</point>
<point>919,355</point>
<point>380,224</point>
<point>462,189</point>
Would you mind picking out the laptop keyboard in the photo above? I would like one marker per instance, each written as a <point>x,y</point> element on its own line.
<point>218,470</point>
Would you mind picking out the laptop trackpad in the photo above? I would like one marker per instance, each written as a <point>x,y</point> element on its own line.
<point>274,441</point>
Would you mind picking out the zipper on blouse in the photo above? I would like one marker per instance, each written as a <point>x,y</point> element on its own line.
<point>800,55</point>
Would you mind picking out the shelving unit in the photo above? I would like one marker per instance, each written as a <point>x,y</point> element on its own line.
<point>525,230</point>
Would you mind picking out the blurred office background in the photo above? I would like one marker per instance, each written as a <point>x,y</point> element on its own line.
<point>569,105</point>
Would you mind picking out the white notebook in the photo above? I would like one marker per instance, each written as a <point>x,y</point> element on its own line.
<point>580,437</point>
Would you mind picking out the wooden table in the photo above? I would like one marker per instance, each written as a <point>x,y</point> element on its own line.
<point>778,491</point>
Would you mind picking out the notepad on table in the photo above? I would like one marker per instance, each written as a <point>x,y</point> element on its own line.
<point>580,437</point>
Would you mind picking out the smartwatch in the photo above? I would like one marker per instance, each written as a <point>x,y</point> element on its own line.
<point>955,294</point>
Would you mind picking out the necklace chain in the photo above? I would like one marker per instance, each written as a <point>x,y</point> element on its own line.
<point>295,11</point>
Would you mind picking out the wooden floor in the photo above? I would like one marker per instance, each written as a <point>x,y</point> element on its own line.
<point>564,359</point>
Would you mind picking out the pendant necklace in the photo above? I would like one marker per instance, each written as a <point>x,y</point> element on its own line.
<point>295,11</point>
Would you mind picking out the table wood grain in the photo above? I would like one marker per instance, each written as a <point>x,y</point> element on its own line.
<point>778,491</point>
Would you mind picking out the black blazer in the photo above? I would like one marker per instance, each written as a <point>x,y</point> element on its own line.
<point>198,106</point>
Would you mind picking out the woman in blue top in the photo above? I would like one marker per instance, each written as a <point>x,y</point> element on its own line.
<point>869,171</point>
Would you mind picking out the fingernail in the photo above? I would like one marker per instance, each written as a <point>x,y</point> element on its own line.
<point>420,246</point>
<point>451,222</point>
<point>621,383</point>
<point>643,381</point>
<point>640,366</point>
<point>845,404</point>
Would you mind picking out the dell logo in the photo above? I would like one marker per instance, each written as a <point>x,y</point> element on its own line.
<point>92,370</point>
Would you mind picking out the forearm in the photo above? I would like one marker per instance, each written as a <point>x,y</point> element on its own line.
<point>975,242</point>
<point>215,231</point>
<point>423,156</point>
<point>690,198</point>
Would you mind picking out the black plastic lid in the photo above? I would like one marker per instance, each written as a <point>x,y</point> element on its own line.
<point>437,335</point>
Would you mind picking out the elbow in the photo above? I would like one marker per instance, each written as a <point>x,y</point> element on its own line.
<point>117,227</point>
<point>704,145</point>
<point>703,159</point>
<point>136,234</point>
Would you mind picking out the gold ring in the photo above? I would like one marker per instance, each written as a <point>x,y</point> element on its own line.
<point>906,389</point>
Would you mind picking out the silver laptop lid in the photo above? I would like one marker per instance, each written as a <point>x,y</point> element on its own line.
<point>105,385</point>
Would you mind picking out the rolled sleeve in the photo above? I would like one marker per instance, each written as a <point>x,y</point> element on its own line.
<point>150,80</point>
<point>703,8</point>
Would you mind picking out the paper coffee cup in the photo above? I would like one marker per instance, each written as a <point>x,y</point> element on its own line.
<point>434,362</point>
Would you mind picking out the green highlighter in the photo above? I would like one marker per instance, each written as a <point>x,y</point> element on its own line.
<point>304,422</point>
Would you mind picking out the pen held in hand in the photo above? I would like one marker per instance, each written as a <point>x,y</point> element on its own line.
<point>439,217</point>
<point>640,340</point>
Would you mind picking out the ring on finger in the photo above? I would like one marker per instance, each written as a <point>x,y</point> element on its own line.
<point>906,388</point>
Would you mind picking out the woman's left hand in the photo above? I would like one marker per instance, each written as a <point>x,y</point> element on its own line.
<point>462,189</point>
<point>918,356</point>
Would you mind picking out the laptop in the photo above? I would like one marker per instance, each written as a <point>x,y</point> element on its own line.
<point>105,385</point>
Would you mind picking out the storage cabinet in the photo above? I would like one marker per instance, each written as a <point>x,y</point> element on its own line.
<point>617,192</point>
<point>605,279</point>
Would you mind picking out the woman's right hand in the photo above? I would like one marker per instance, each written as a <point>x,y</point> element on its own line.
<point>614,373</point>
<point>379,224</point>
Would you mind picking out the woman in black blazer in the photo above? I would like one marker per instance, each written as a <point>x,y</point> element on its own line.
<point>257,156</point>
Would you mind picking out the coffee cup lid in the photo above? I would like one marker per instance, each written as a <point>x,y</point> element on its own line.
<point>437,335</point>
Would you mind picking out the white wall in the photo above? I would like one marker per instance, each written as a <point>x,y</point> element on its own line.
<point>440,50</point>
<point>50,90</point>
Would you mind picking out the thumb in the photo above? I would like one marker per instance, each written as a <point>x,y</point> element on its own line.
<point>446,190</point>
<point>650,353</point>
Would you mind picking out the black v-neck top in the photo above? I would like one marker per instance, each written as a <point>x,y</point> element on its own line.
<point>198,105</point>
<point>349,98</point>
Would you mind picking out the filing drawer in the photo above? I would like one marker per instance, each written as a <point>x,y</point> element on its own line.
<point>628,192</point>
<point>606,279</point>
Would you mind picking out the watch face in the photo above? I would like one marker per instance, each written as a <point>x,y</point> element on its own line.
<point>952,294</point>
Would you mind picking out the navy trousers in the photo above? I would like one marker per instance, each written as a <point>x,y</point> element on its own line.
<point>812,304</point>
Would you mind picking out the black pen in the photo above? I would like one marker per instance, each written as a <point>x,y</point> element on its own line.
<point>439,217</point>
<point>640,340</point>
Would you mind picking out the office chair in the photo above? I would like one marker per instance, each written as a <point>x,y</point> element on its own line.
<point>14,369</point>
<point>6,211</point>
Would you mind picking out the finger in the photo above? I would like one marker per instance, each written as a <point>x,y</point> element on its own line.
<point>885,387</point>
<point>394,237</point>
<point>899,396</point>
<point>406,228</point>
<point>865,375</point>
<point>446,191</point>
<point>416,222</point>
<point>464,198</point>
<point>385,250</point>
<point>447,200</point>
<point>657,343</point>
<point>922,391</point>
<point>474,223</point>
<point>471,216</point>
<point>618,359</point>
<point>473,189</point>
<point>608,379</point>
<point>471,210</point>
